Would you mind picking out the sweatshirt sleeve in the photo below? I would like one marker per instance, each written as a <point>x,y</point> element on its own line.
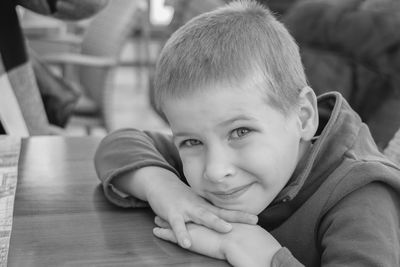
<point>363,229</point>
<point>128,150</point>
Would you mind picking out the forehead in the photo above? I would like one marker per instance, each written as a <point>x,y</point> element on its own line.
<point>233,87</point>
<point>212,107</point>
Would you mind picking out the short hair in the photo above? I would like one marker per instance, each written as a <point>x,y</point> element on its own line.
<point>239,41</point>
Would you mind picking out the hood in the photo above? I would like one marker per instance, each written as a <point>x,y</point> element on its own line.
<point>340,132</point>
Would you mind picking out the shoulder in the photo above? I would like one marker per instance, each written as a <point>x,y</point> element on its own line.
<point>360,178</point>
<point>370,197</point>
<point>364,226</point>
<point>374,207</point>
<point>370,200</point>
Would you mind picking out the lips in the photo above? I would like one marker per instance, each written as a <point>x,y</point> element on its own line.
<point>232,193</point>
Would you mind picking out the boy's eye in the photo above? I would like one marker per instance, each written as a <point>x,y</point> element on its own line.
<point>240,132</point>
<point>190,143</point>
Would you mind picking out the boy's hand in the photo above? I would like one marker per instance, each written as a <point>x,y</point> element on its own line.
<point>245,245</point>
<point>177,204</point>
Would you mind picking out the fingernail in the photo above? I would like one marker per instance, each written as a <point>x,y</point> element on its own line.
<point>228,226</point>
<point>254,218</point>
<point>186,243</point>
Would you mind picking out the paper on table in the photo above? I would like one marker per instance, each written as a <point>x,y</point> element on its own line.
<point>10,148</point>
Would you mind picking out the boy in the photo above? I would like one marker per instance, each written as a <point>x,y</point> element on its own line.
<point>249,140</point>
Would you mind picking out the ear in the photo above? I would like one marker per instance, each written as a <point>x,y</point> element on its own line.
<point>308,113</point>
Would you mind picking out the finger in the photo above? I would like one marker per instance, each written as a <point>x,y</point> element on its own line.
<point>165,234</point>
<point>178,226</point>
<point>236,216</point>
<point>160,222</point>
<point>207,218</point>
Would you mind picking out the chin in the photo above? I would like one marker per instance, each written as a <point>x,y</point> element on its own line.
<point>254,209</point>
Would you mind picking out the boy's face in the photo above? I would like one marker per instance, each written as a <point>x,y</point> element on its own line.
<point>237,151</point>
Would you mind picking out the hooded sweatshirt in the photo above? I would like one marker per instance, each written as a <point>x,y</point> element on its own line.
<point>341,206</point>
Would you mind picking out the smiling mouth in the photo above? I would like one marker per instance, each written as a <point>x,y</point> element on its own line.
<point>232,194</point>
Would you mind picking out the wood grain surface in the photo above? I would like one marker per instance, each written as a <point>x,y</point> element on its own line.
<point>61,217</point>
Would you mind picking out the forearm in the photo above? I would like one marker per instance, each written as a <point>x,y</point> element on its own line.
<point>284,258</point>
<point>128,150</point>
<point>251,245</point>
<point>123,154</point>
<point>143,182</point>
<point>281,258</point>
<point>245,245</point>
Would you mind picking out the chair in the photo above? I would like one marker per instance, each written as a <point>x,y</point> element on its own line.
<point>11,116</point>
<point>21,109</point>
<point>94,66</point>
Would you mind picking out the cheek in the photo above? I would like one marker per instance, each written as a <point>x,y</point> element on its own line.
<point>192,170</point>
<point>256,160</point>
<point>270,161</point>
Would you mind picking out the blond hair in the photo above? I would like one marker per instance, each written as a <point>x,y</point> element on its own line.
<point>239,41</point>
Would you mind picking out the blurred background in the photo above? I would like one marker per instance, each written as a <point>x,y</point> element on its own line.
<point>95,75</point>
<point>127,36</point>
<point>107,60</point>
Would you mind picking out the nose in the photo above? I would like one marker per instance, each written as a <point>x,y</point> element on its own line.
<point>218,164</point>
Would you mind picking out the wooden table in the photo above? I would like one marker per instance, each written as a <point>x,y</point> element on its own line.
<point>61,217</point>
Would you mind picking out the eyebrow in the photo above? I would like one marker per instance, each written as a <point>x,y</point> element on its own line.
<point>221,124</point>
<point>235,119</point>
